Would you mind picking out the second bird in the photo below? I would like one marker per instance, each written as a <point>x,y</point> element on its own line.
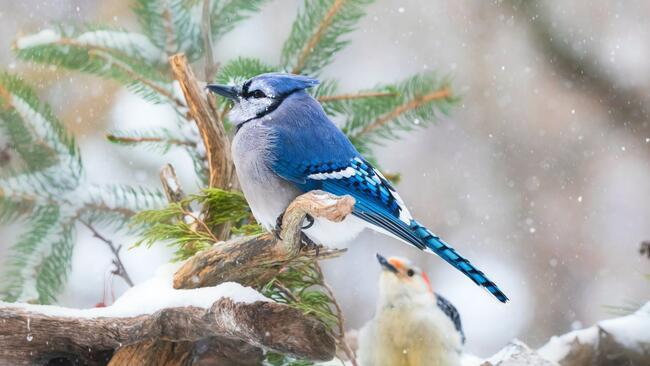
<point>285,145</point>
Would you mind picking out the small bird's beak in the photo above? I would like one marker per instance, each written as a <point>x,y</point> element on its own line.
<point>229,92</point>
<point>385,264</point>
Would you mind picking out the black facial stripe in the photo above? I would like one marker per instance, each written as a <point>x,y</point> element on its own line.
<point>267,110</point>
<point>245,88</point>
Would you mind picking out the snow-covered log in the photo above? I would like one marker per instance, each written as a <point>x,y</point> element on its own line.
<point>619,341</point>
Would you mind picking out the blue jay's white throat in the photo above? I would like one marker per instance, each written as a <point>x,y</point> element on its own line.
<point>286,145</point>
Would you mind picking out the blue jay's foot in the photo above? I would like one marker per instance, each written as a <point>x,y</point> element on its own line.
<point>307,244</point>
<point>278,224</point>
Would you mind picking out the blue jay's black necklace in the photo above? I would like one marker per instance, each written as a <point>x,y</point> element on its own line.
<point>276,103</point>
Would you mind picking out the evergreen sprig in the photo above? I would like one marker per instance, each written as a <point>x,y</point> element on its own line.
<point>316,34</point>
<point>182,226</point>
<point>52,195</point>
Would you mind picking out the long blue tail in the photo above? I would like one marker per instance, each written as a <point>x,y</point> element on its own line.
<point>442,249</point>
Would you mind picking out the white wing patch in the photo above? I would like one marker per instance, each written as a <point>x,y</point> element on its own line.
<point>404,214</point>
<point>338,174</point>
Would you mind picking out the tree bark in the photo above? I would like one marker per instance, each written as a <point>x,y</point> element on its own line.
<point>31,338</point>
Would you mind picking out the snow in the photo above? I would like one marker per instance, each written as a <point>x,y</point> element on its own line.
<point>632,331</point>
<point>46,36</point>
<point>151,296</point>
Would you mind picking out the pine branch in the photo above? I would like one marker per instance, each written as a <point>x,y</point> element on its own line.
<point>226,14</point>
<point>120,269</point>
<point>210,67</point>
<point>16,271</point>
<point>413,104</point>
<point>127,140</point>
<point>133,74</point>
<point>361,95</point>
<point>316,37</point>
<point>340,320</point>
<point>120,58</point>
<point>172,25</point>
<point>316,33</point>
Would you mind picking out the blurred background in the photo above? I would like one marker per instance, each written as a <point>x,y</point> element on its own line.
<point>541,176</point>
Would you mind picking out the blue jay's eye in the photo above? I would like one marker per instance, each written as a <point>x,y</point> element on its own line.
<point>410,273</point>
<point>258,94</point>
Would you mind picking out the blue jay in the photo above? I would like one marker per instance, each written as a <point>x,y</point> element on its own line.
<point>285,145</point>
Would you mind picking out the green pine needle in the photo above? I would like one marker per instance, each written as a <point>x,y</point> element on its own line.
<point>128,58</point>
<point>183,228</point>
<point>316,34</point>
<point>226,14</point>
<point>416,102</point>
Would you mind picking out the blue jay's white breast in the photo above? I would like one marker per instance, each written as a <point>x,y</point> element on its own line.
<point>269,195</point>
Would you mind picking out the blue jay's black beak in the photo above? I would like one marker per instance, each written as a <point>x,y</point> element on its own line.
<point>229,92</point>
<point>385,264</point>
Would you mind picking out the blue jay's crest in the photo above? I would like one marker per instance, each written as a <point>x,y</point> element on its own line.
<point>261,95</point>
<point>277,84</point>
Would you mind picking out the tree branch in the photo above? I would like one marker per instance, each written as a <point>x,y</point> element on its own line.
<point>120,269</point>
<point>254,260</point>
<point>30,337</point>
<point>136,140</point>
<point>333,98</point>
<point>340,320</point>
<point>315,38</point>
<point>214,137</point>
<point>412,104</point>
<point>127,69</point>
<point>211,67</point>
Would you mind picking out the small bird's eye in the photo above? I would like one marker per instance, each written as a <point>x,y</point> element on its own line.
<point>410,273</point>
<point>258,94</point>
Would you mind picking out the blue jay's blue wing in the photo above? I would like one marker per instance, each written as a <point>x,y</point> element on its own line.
<point>333,165</point>
<point>450,310</point>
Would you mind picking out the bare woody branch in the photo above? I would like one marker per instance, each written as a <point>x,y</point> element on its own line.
<point>217,144</point>
<point>221,170</point>
<point>120,269</point>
